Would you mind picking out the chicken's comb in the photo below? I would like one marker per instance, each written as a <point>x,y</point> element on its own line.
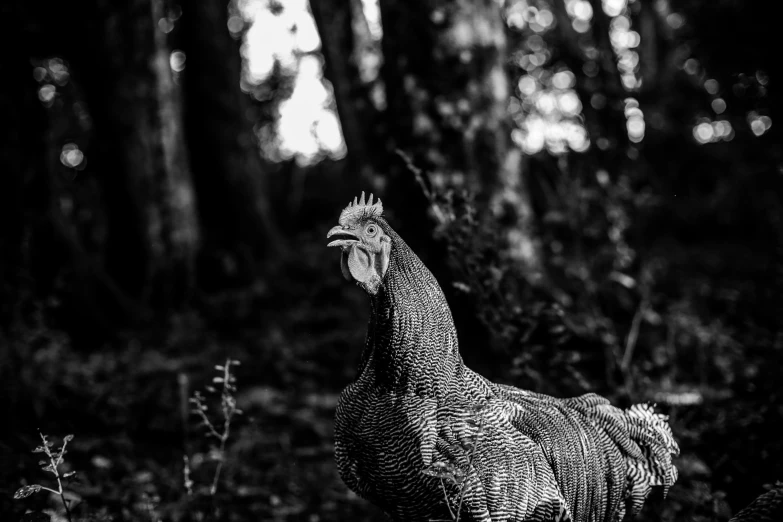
<point>360,209</point>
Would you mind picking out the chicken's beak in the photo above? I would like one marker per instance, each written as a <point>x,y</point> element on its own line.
<point>344,237</point>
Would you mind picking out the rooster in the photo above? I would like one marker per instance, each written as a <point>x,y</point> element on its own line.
<point>424,437</point>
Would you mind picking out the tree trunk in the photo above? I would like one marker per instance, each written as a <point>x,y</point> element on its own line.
<point>140,153</point>
<point>448,91</point>
<point>337,21</point>
<point>14,149</point>
<point>227,167</point>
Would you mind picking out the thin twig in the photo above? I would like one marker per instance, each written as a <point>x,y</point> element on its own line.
<point>470,463</point>
<point>416,172</point>
<point>54,463</point>
<point>448,504</point>
<point>441,217</point>
<point>184,395</point>
<point>633,336</point>
<point>229,408</point>
<point>198,399</point>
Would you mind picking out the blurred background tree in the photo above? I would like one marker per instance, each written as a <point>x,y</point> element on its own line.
<point>597,184</point>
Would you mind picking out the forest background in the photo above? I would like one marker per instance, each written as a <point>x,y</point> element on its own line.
<point>596,184</point>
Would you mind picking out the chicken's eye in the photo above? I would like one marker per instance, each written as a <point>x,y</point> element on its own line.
<point>371,230</point>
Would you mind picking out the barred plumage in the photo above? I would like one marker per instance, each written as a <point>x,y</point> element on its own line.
<point>415,404</point>
<point>768,507</point>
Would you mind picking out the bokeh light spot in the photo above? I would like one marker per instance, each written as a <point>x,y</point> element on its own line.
<point>527,85</point>
<point>177,61</point>
<point>675,20</point>
<point>39,73</point>
<point>546,103</point>
<point>569,103</point>
<point>59,71</point>
<point>545,18</point>
<point>598,101</point>
<point>581,10</point>
<point>613,7</point>
<point>71,156</point>
<point>235,25</point>
<point>635,127</point>
<point>758,124</point>
<point>563,80</point>
<point>165,25</point>
<point>580,26</point>
<point>590,69</point>
<point>372,13</point>
<point>46,94</point>
<point>703,132</point>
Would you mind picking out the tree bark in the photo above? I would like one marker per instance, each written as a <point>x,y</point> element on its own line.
<point>448,90</point>
<point>336,21</point>
<point>227,167</point>
<point>13,148</point>
<point>140,153</point>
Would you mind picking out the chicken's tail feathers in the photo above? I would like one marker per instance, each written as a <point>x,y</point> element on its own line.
<point>765,508</point>
<point>643,437</point>
<point>651,432</point>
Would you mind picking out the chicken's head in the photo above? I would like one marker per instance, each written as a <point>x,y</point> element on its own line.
<point>365,243</point>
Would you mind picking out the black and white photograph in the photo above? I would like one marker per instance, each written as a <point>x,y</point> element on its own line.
<point>391,261</point>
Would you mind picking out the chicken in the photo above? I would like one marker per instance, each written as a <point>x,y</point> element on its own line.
<point>768,507</point>
<point>424,437</point>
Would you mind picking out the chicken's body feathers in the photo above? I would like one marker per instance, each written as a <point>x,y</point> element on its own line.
<point>524,456</point>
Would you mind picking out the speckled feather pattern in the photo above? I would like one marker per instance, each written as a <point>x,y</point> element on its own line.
<point>538,458</point>
<point>766,508</point>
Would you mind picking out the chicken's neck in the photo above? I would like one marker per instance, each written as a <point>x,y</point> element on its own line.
<point>411,343</point>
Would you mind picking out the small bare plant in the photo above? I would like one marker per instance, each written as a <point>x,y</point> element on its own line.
<point>55,459</point>
<point>457,470</point>
<point>229,410</point>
